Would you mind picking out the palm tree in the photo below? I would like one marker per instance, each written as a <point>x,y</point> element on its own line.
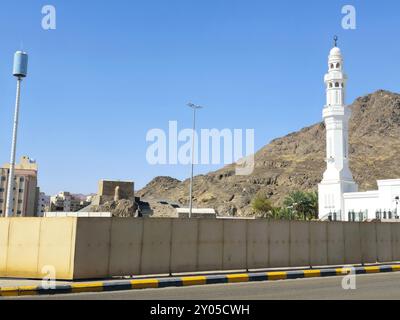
<point>304,205</point>
<point>313,196</point>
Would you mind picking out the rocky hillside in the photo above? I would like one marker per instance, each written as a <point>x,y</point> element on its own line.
<point>296,162</point>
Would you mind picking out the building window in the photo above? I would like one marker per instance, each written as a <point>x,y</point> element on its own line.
<point>1,190</point>
<point>338,65</point>
<point>20,190</point>
<point>337,84</point>
<point>332,66</point>
<point>330,85</point>
<point>21,179</point>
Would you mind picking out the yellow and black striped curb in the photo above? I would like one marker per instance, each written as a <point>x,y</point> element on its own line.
<point>190,281</point>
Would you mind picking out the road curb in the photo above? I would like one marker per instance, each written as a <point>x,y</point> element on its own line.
<point>190,281</point>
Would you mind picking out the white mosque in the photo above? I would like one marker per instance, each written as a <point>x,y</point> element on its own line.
<point>339,198</point>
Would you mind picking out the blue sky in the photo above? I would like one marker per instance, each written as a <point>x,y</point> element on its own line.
<point>112,70</point>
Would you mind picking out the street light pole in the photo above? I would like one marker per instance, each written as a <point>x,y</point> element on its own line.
<point>194,108</point>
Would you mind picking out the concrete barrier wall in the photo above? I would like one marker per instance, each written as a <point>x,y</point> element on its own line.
<point>235,245</point>
<point>126,246</point>
<point>184,245</point>
<point>299,244</point>
<point>4,226</point>
<point>92,247</point>
<point>395,241</point>
<point>336,243</point>
<point>318,243</point>
<point>210,245</point>
<point>156,246</point>
<point>352,243</point>
<point>384,242</point>
<point>82,248</point>
<point>279,243</point>
<point>257,243</point>
<point>369,246</point>
<point>35,247</point>
<point>57,246</point>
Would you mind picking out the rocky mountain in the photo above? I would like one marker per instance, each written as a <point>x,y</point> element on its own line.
<point>296,162</point>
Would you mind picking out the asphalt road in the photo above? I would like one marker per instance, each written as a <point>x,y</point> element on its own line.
<point>373,286</point>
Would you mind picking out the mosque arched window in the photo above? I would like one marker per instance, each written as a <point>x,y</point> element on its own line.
<point>332,66</point>
<point>338,65</point>
<point>337,85</point>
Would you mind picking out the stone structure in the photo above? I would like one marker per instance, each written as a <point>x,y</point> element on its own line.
<point>114,191</point>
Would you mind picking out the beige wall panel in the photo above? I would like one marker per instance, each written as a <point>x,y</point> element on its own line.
<point>395,241</point>
<point>352,241</point>
<point>336,243</point>
<point>184,245</point>
<point>299,244</point>
<point>368,242</point>
<point>126,246</point>
<point>57,246</point>
<point>92,248</point>
<point>279,245</point>
<point>211,237</point>
<point>318,244</point>
<point>384,242</point>
<point>4,225</point>
<point>257,245</point>
<point>156,248</point>
<point>23,247</point>
<point>234,252</point>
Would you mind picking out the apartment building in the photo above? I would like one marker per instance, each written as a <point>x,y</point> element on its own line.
<point>43,203</point>
<point>66,202</point>
<point>25,196</point>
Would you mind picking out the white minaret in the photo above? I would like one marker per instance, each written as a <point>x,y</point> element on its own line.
<point>336,114</point>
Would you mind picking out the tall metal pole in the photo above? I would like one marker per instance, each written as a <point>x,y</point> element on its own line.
<point>20,70</point>
<point>194,107</point>
<point>10,187</point>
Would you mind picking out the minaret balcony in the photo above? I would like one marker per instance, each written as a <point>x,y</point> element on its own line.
<point>335,75</point>
<point>335,111</point>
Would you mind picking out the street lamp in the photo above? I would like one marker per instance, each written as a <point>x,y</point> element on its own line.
<point>194,108</point>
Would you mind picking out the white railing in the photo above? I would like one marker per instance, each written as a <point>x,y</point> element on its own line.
<point>386,215</point>
<point>332,216</point>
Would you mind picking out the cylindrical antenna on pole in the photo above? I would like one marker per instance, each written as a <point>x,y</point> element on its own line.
<point>20,71</point>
